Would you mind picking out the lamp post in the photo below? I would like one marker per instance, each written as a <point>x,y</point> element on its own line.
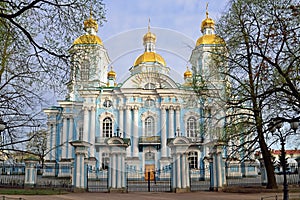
<point>2,127</point>
<point>277,124</point>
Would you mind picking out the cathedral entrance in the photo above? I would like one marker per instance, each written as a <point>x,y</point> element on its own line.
<point>149,172</point>
<point>149,166</point>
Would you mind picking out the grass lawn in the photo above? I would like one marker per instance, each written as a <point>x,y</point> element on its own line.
<point>30,191</point>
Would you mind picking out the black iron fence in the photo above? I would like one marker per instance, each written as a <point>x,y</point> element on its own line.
<point>151,181</point>
<point>199,180</point>
<point>97,180</point>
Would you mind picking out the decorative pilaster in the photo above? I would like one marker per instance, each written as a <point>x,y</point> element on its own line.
<point>135,132</point>
<point>93,129</point>
<point>177,118</point>
<point>85,125</point>
<point>121,120</point>
<point>64,138</point>
<point>163,133</point>
<point>70,148</point>
<point>171,122</point>
<point>49,135</point>
<point>128,128</point>
<point>54,146</point>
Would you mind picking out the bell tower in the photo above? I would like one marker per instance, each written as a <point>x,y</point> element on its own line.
<point>89,61</point>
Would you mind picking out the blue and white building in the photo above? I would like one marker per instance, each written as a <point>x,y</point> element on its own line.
<point>149,107</point>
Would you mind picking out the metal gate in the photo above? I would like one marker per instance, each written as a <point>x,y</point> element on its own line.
<point>138,181</point>
<point>97,180</point>
<point>200,179</point>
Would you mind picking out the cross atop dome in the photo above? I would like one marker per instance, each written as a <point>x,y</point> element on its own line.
<point>90,25</point>
<point>207,23</point>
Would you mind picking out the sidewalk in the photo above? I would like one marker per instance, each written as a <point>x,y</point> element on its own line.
<point>154,196</point>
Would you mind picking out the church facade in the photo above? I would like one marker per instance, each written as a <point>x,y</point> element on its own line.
<point>149,108</point>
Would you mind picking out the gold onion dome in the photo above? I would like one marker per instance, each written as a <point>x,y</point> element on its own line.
<point>188,73</point>
<point>111,73</point>
<point>149,37</point>
<point>90,23</point>
<point>90,37</point>
<point>149,57</point>
<point>210,39</point>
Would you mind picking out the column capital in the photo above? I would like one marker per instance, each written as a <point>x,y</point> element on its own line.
<point>171,108</point>
<point>85,108</point>
<point>121,107</point>
<point>93,108</point>
<point>177,108</point>
<point>135,107</point>
<point>163,107</point>
<point>127,107</point>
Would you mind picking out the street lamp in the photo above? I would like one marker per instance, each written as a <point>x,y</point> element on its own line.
<point>276,124</point>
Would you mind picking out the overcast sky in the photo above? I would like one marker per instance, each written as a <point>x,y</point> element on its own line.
<point>176,24</point>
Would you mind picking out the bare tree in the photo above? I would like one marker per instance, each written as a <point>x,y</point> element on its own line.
<point>263,66</point>
<point>35,37</point>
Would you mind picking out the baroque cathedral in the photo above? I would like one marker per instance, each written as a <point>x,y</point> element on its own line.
<point>148,108</point>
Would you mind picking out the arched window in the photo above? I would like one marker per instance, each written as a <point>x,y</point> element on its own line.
<point>107,127</point>
<point>149,126</point>
<point>191,127</point>
<point>84,72</point>
<point>193,159</point>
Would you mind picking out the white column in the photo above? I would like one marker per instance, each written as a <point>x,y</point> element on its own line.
<point>183,171</point>
<point>54,145</point>
<point>70,148</point>
<point>85,124</point>
<point>174,167</point>
<point>171,122</point>
<point>49,134</point>
<point>219,163</point>
<point>178,166</point>
<point>121,118</point>
<point>113,171</point>
<point>135,132</point>
<point>178,118</point>
<point>93,129</point>
<point>123,171</point>
<point>128,128</point>
<point>64,138</point>
<point>163,133</point>
<point>119,171</point>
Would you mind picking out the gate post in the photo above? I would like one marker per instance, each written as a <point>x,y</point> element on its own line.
<point>30,172</point>
<point>218,179</point>
<point>80,171</point>
<point>180,170</point>
<point>117,167</point>
<point>263,172</point>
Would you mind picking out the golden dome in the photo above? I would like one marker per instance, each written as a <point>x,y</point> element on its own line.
<point>90,23</point>
<point>210,39</point>
<point>111,73</point>
<point>88,39</point>
<point>149,57</point>
<point>188,73</point>
<point>149,37</point>
<point>207,23</point>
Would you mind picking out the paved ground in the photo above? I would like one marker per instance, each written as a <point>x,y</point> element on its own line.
<point>156,196</point>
